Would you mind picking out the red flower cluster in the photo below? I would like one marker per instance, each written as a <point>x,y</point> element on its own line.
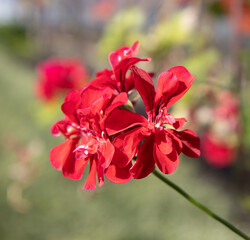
<point>58,76</point>
<point>100,128</point>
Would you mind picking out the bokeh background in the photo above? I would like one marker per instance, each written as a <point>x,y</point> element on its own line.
<point>211,38</point>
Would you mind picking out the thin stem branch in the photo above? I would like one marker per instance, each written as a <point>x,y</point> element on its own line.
<point>199,205</point>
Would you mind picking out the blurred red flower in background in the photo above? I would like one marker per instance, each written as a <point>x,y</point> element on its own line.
<point>220,142</point>
<point>104,9</point>
<point>216,152</point>
<point>244,18</point>
<point>56,77</point>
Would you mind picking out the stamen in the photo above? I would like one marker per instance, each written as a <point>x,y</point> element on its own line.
<point>86,152</point>
<point>102,134</point>
<point>126,52</point>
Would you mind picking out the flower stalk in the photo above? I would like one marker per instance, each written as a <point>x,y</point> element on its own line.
<point>199,205</point>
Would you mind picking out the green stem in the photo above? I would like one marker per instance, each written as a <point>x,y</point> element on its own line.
<point>199,205</point>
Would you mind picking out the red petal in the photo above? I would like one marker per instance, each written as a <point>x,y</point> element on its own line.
<point>106,153</point>
<point>145,163</point>
<point>61,126</point>
<point>68,109</point>
<point>63,153</point>
<point>104,73</point>
<point>120,120</point>
<point>103,80</point>
<point>185,82</point>
<point>130,84</point>
<point>71,104</point>
<point>100,175</point>
<point>90,94</point>
<point>118,175</point>
<point>167,85</point>
<point>122,68</point>
<point>119,100</point>
<point>172,85</point>
<point>116,56</point>
<point>168,118</point>
<point>190,141</point>
<point>123,52</point>
<point>163,141</point>
<point>75,169</point>
<point>166,163</point>
<point>145,87</point>
<point>134,49</point>
<point>176,141</point>
<point>62,157</point>
<point>90,183</point>
<point>126,146</point>
<point>72,96</point>
<point>179,123</point>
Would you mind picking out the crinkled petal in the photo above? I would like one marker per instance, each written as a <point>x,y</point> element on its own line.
<point>121,120</point>
<point>145,163</point>
<point>190,141</point>
<point>118,175</point>
<point>145,87</point>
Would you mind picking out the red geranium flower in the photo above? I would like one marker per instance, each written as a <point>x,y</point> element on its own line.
<point>161,145</point>
<point>85,112</point>
<point>58,76</point>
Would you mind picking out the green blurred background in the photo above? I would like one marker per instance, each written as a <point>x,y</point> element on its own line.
<point>210,38</point>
